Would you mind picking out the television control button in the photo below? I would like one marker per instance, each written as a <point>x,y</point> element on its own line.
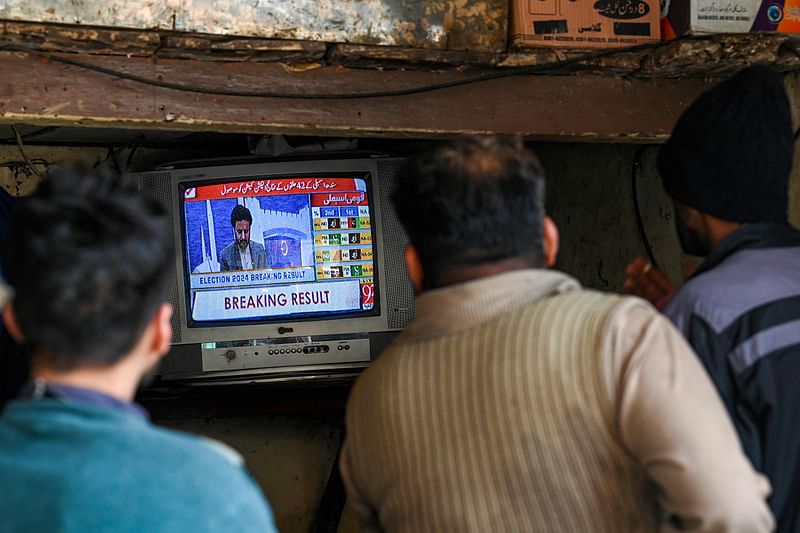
<point>340,347</point>
<point>230,355</point>
<point>346,346</point>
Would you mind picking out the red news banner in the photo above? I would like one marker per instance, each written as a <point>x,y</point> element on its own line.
<point>274,187</point>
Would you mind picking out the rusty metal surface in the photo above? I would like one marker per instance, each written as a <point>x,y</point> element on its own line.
<point>477,25</point>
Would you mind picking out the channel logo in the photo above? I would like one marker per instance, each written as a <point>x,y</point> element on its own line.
<point>775,13</point>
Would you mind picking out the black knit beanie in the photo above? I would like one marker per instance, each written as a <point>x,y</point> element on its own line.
<point>731,151</point>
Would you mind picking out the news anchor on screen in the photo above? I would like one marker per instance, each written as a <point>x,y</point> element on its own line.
<point>242,253</point>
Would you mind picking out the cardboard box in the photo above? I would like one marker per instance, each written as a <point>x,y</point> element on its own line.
<point>682,17</point>
<point>584,23</point>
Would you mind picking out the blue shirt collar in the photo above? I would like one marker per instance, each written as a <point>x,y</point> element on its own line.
<point>39,388</point>
<point>760,235</point>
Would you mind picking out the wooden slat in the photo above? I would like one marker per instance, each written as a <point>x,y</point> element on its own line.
<point>81,39</point>
<point>588,108</point>
<point>216,48</point>
<point>710,56</point>
<point>394,57</point>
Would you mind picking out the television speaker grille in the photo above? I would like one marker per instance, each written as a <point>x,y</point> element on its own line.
<point>157,185</point>
<point>399,297</point>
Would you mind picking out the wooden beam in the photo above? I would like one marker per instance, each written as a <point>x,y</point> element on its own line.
<point>590,108</point>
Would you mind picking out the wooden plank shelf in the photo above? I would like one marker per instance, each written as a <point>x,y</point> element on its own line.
<point>75,75</point>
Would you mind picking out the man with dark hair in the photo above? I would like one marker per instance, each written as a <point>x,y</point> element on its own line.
<point>88,260</point>
<point>242,253</point>
<point>727,168</point>
<point>517,401</point>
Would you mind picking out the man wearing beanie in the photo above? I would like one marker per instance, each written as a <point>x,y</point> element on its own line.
<point>727,168</point>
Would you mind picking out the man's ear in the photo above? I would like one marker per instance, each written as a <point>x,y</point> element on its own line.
<point>551,241</point>
<point>162,330</point>
<point>414,267</point>
<point>10,320</point>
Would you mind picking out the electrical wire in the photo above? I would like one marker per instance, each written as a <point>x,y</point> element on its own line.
<point>36,133</point>
<point>635,167</point>
<point>22,151</point>
<point>132,153</point>
<point>524,71</point>
<point>13,165</point>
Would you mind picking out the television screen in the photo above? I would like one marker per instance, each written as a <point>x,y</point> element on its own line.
<point>268,249</point>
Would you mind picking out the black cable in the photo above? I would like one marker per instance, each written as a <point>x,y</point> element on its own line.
<point>36,133</point>
<point>110,156</point>
<point>21,148</point>
<point>16,164</point>
<point>637,164</point>
<point>535,69</point>
<point>128,161</point>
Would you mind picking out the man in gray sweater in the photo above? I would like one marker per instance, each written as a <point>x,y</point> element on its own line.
<point>518,401</point>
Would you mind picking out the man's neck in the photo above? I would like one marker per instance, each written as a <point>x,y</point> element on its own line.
<point>719,230</point>
<point>463,274</point>
<point>113,381</point>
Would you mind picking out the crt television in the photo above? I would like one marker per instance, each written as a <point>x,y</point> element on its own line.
<point>308,283</point>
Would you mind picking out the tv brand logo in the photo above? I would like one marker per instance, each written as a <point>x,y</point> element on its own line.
<point>190,193</point>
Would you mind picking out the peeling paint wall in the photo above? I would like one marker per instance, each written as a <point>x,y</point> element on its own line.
<point>477,25</point>
<point>142,14</point>
<point>16,176</point>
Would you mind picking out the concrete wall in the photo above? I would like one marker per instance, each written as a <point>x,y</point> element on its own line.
<point>590,197</point>
<point>290,456</point>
